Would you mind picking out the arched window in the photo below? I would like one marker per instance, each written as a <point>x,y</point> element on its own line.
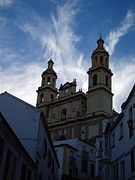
<point>52,97</point>
<point>48,80</point>
<point>95,59</point>
<point>43,81</point>
<point>106,80</point>
<point>106,62</point>
<point>101,59</point>
<point>53,81</point>
<point>66,91</point>
<point>63,114</point>
<point>94,79</point>
<point>41,98</point>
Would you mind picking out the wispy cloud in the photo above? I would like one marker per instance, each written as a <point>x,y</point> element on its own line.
<point>124,76</point>
<point>123,80</point>
<point>4,3</point>
<point>21,84</point>
<point>18,78</point>
<point>59,42</point>
<point>115,35</point>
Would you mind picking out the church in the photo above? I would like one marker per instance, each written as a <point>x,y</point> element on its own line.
<point>74,114</point>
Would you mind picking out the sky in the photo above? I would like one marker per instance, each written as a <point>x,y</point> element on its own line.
<point>33,31</point>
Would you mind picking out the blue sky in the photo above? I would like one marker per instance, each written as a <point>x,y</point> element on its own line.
<point>32,31</point>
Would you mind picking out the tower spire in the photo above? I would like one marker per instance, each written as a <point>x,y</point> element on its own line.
<point>48,91</point>
<point>99,90</point>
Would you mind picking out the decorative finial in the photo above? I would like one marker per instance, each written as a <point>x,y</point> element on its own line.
<point>100,35</point>
<point>100,41</point>
<point>50,64</point>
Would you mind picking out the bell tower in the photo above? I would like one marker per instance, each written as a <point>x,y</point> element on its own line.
<point>99,95</point>
<point>47,92</point>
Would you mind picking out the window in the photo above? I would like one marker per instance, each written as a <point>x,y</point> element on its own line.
<point>66,91</point>
<point>43,81</point>
<point>52,166</point>
<point>23,171</point>
<point>8,165</point>
<point>83,132</point>
<point>116,170</point>
<point>84,165</point>
<point>1,151</point>
<point>95,59</point>
<point>101,59</point>
<point>94,79</point>
<point>29,174</point>
<point>53,81</point>
<point>130,131</point>
<point>113,170</point>
<point>132,160</point>
<point>49,159</point>
<point>106,61</point>
<point>41,98</point>
<point>63,114</point>
<point>92,170</point>
<point>121,131</point>
<point>48,80</point>
<point>122,170</point>
<point>130,113</point>
<point>14,169</point>
<point>45,148</point>
<point>113,140</point>
<point>52,97</point>
<point>106,80</point>
<point>70,172</point>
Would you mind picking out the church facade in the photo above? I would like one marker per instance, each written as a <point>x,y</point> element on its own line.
<point>75,114</point>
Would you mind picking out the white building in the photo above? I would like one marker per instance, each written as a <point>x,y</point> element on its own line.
<point>67,156</point>
<point>29,126</point>
<point>116,147</point>
<point>15,162</point>
<point>84,157</point>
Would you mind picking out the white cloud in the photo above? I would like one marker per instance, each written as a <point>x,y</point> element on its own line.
<point>123,80</point>
<point>4,3</point>
<point>21,80</point>
<point>115,35</point>
<point>59,42</point>
<point>124,76</point>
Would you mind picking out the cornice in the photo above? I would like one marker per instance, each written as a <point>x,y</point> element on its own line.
<point>88,118</point>
<point>92,69</point>
<point>98,87</point>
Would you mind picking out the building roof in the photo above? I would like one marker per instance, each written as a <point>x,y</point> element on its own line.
<point>23,118</point>
<point>100,47</point>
